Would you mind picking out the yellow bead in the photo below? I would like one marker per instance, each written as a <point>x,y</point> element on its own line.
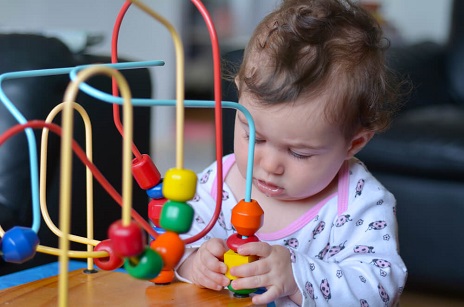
<point>232,259</point>
<point>179,184</point>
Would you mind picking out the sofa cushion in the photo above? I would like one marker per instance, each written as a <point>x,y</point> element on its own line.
<point>426,141</point>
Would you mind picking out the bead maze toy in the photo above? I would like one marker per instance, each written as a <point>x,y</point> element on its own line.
<point>168,208</point>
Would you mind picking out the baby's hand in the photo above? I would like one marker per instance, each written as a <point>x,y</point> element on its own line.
<point>273,270</point>
<point>207,268</point>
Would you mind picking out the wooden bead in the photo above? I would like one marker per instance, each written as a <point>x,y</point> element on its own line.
<point>156,192</point>
<point>145,172</point>
<point>235,240</point>
<point>165,277</point>
<point>241,292</point>
<point>146,265</point>
<point>176,216</point>
<point>247,217</point>
<point>19,244</point>
<point>171,248</point>
<point>127,241</point>
<point>110,263</point>
<point>154,210</point>
<point>232,259</point>
<point>179,184</point>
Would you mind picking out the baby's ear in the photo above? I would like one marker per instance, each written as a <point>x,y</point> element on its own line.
<point>237,83</point>
<point>358,142</point>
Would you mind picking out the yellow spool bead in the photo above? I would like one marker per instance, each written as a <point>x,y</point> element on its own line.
<point>179,184</point>
<point>232,259</point>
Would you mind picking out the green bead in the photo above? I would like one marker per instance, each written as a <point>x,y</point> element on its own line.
<point>176,216</point>
<point>241,292</point>
<point>148,266</point>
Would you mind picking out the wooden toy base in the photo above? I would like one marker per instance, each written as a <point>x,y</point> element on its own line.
<point>116,289</point>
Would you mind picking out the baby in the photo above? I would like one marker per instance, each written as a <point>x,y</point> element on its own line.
<point>315,81</point>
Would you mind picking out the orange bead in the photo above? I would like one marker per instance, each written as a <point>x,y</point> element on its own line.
<point>171,248</point>
<point>164,277</point>
<point>247,217</point>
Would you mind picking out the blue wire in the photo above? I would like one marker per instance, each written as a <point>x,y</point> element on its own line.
<point>31,140</point>
<point>188,103</point>
<point>110,99</point>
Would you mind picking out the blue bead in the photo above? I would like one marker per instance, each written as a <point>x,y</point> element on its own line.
<point>19,244</point>
<point>156,192</point>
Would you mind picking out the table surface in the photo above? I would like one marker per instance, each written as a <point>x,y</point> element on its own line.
<point>118,289</point>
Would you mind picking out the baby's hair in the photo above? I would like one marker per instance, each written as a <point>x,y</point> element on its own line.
<point>334,48</point>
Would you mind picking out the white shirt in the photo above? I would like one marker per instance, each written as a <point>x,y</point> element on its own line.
<point>344,250</point>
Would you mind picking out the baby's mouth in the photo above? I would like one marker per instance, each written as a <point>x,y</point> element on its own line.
<point>268,189</point>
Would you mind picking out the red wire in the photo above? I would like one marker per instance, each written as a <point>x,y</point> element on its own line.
<point>81,155</point>
<point>114,59</point>
<point>217,97</point>
<point>218,118</point>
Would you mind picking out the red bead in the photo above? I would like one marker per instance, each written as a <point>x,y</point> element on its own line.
<point>247,217</point>
<point>127,241</point>
<point>145,172</point>
<point>19,244</point>
<point>154,210</point>
<point>235,240</point>
<point>110,263</point>
<point>171,248</point>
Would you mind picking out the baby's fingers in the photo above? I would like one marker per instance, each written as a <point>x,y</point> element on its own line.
<point>209,279</point>
<point>211,263</point>
<point>267,297</point>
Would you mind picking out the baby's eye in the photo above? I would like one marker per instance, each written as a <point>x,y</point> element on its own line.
<point>299,156</point>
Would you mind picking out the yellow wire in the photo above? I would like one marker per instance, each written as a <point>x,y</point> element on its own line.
<point>89,181</point>
<point>179,50</point>
<point>71,253</point>
<point>66,165</point>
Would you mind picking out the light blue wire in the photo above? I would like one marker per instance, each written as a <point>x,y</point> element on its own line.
<point>89,90</point>
<point>110,99</point>
<point>31,141</point>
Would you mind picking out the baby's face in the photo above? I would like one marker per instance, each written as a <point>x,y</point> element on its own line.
<point>297,152</point>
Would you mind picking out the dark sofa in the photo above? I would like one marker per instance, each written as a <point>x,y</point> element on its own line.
<point>420,159</point>
<point>35,97</point>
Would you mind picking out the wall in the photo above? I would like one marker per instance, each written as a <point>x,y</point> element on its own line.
<point>419,19</point>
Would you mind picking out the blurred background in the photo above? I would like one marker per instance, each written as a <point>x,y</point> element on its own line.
<point>86,26</point>
<point>430,237</point>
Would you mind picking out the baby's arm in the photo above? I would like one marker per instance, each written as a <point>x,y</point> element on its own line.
<point>205,267</point>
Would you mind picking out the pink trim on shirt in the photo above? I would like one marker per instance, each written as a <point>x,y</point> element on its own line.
<point>297,224</point>
<point>226,166</point>
<point>342,205</point>
<point>343,188</point>
<point>342,193</point>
